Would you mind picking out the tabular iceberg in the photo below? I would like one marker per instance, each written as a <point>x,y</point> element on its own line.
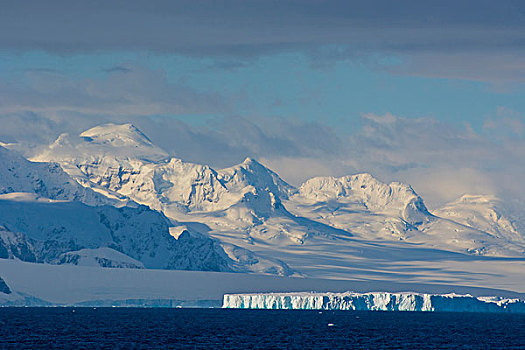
<point>376,301</point>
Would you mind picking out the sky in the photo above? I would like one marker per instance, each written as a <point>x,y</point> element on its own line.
<point>425,92</point>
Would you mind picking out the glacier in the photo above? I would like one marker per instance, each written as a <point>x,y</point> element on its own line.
<point>374,301</point>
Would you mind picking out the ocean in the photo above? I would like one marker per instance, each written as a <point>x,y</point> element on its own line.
<point>157,328</point>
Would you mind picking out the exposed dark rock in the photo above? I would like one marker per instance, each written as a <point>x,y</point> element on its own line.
<point>4,287</point>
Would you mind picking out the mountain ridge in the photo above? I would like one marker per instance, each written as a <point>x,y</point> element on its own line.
<point>328,226</point>
<point>47,216</point>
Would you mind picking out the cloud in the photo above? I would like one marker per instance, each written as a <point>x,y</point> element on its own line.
<point>228,140</point>
<point>118,69</point>
<point>505,124</point>
<point>221,142</point>
<point>124,90</point>
<point>296,170</point>
<point>440,160</point>
<point>399,141</point>
<point>484,40</point>
<point>496,65</point>
<point>28,128</point>
<point>229,26</point>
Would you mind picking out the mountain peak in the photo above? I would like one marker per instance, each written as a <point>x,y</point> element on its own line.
<point>485,212</point>
<point>252,173</point>
<point>249,161</point>
<point>116,134</point>
<point>120,141</point>
<point>372,193</point>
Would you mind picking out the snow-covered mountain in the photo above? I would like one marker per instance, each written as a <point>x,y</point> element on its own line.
<point>46,216</point>
<point>61,232</point>
<point>331,227</point>
<point>363,205</point>
<point>371,209</point>
<point>121,141</point>
<point>395,199</point>
<point>486,213</point>
<point>105,154</point>
<point>48,180</point>
<point>52,229</point>
<point>121,160</point>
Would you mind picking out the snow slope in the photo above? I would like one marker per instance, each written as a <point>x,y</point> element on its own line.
<point>485,213</point>
<point>48,180</point>
<point>377,301</point>
<point>100,257</point>
<point>394,212</point>
<point>64,232</point>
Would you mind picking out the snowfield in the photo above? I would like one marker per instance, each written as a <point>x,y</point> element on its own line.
<point>379,301</point>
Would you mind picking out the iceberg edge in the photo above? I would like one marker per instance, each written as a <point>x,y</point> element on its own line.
<point>374,301</point>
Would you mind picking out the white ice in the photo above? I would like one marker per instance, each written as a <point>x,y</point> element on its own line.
<point>376,301</point>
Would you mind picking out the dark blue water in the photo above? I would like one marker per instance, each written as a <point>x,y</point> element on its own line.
<point>111,328</point>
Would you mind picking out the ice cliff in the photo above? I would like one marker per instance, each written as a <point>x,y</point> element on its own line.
<point>376,301</point>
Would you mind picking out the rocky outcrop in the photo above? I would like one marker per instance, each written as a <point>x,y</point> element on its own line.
<point>4,288</point>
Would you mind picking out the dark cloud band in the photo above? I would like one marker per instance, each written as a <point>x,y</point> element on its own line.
<point>257,27</point>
